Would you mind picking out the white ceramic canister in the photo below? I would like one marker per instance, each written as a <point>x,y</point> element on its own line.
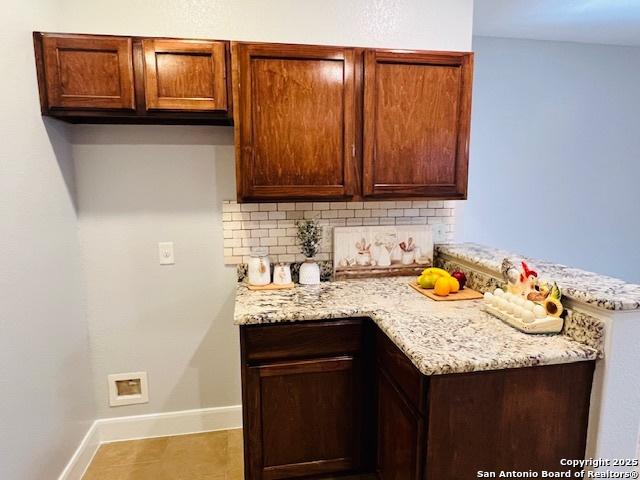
<point>282,274</point>
<point>259,267</point>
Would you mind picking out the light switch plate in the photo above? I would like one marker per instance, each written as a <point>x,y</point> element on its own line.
<point>165,253</point>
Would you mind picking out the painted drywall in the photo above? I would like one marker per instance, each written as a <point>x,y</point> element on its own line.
<point>137,186</point>
<point>46,405</point>
<point>556,136</point>
<point>141,185</point>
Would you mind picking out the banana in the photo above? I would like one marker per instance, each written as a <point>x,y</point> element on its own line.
<point>436,271</point>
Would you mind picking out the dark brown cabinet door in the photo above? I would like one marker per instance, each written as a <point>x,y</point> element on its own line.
<point>400,431</point>
<point>88,72</point>
<point>417,108</point>
<point>295,121</point>
<point>185,75</point>
<point>515,419</point>
<point>303,417</point>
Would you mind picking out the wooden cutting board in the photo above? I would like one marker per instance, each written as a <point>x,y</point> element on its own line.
<point>271,286</point>
<point>464,294</point>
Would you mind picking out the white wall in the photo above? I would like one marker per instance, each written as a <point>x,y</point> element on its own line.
<point>141,185</point>
<point>555,132</point>
<point>46,404</point>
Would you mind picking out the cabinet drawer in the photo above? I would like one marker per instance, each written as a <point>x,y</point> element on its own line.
<point>399,368</point>
<point>302,340</point>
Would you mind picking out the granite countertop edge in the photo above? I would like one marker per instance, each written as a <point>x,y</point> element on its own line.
<point>599,291</point>
<point>438,337</point>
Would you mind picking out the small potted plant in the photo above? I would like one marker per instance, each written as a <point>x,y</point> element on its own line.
<point>309,236</point>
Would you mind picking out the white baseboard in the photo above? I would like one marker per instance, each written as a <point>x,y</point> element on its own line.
<point>116,429</point>
<point>83,455</point>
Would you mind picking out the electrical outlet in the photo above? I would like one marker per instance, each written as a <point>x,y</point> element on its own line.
<point>165,253</point>
<point>128,388</point>
<point>439,232</point>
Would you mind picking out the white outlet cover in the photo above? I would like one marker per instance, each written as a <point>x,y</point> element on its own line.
<point>165,253</point>
<point>116,400</point>
<point>439,232</point>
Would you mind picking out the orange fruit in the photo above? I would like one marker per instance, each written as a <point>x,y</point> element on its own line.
<point>442,287</point>
<point>454,285</point>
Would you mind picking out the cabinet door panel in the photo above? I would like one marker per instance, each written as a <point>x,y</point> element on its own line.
<point>185,75</point>
<point>515,419</point>
<point>400,433</point>
<point>295,131</point>
<point>88,72</point>
<point>308,420</point>
<point>416,124</point>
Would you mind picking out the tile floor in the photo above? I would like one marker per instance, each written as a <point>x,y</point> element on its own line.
<point>201,456</point>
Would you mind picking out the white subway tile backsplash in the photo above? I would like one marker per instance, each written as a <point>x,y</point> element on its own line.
<point>250,207</point>
<point>268,224</point>
<point>295,215</point>
<point>259,233</point>
<point>272,225</point>
<point>286,207</point>
<point>312,214</point>
<point>259,215</point>
<point>268,241</point>
<point>240,216</point>
<point>268,207</point>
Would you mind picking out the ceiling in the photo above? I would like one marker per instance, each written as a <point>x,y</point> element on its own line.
<point>615,22</point>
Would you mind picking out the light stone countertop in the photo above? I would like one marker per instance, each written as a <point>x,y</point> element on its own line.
<point>438,337</point>
<point>579,285</point>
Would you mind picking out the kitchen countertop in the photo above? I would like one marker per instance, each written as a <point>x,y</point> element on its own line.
<point>438,337</point>
<point>579,285</point>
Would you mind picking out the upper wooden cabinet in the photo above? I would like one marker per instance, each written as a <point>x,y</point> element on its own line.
<point>311,122</point>
<point>304,114</point>
<point>185,75</point>
<point>417,111</point>
<point>111,79</point>
<point>88,72</point>
<point>295,118</point>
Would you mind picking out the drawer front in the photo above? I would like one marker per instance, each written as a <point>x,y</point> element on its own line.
<point>301,340</point>
<point>400,369</point>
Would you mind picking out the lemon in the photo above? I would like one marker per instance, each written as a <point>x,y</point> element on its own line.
<point>454,285</point>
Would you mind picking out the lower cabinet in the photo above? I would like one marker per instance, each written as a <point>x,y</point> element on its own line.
<point>337,397</point>
<point>400,433</point>
<point>303,411</point>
